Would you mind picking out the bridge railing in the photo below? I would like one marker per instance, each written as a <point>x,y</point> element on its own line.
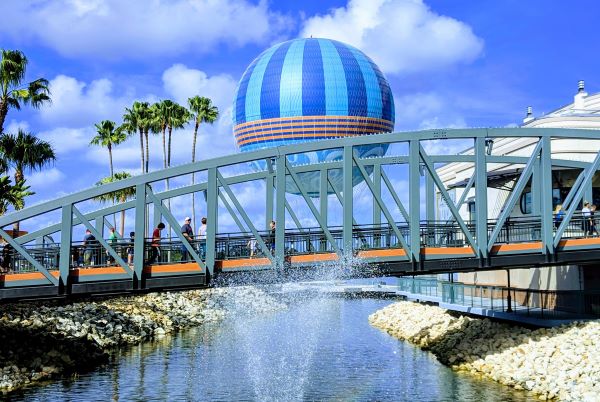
<point>46,255</point>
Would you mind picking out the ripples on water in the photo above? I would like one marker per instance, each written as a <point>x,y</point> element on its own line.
<point>319,349</point>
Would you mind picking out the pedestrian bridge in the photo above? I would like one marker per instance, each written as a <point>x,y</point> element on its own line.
<point>402,189</point>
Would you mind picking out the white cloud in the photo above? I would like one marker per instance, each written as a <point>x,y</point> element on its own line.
<point>76,103</point>
<point>424,111</point>
<point>66,141</point>
<point>400,35</point>
<point>182,82</point>
<point>115,29</point>
<point>45,179</point>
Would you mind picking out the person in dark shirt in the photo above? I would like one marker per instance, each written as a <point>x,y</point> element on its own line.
<point>130,248</point>
<point>89,241</point>
<point>155,245</point>
<point>188,233</point>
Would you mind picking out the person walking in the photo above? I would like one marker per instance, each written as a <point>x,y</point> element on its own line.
<point>188,233</point>
<point>130,248</point>
<point>202,237</point>
<point>272,230</point>
<point>593,230</point>
<point>155,244</point>
<point>586,214</point>
<point>559,215</point>
<point>112,241</point>
<point>89,241</point>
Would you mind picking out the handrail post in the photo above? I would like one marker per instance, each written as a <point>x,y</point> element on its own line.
<point>140,235</point>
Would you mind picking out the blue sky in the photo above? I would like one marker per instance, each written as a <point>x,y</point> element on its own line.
<point>449,63</point>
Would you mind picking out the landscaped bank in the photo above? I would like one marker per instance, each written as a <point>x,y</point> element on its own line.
<point>562,362</point>
<point>42,340</point>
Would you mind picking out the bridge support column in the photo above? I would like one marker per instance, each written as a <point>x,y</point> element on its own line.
<point>212,215</point>
<point>348,212</point>
<point>270,189</point>
<point>280,212</point>
<point>481,205</point>
<point>66,238</point>
<point>140,231</point>
<point>376,208</point>
<point>546,199</point>
<point>414,207</point>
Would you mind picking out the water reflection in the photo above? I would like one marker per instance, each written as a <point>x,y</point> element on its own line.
<point>320,349</point>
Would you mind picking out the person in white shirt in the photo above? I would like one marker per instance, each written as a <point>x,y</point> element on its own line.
<point>202,237</point>
<point>586,215</point>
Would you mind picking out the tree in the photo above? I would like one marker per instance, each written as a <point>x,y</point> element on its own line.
<point>178,118</point>
<point>202,111</point>
<point>118,196</point>
<point>138,119</point>
<point>25,151</point>
<point>161,112</point>
<point>12,195</point>
<point>13,93</point>
<point>108,136</point>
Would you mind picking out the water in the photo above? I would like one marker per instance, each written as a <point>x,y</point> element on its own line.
<point>319,349</point>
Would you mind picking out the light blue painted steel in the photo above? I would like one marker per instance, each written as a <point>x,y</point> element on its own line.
<point>174,224</point>
<point>19,249</point>
<point>212,212</point>
<point>547,221</point>
<point>414,205</point>
<point>481,202</point>
<point>397,200</point>
<point>348,206</point>
<point>280,203</point>
<point>440,185</point>
<point>382,205</point>
<point>140,233</point>
<point>515,195</point>
<point>587,174</point>
<point>244,216</point>
<point>99,238</point>
<point>66,239</point>
<point>252,96</point>
<point>290,86</point>
<point>336,92</point>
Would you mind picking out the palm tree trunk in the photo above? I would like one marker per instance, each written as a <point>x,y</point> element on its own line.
<point>164,147</point>
<point>147,150</point>
<point>110,160</point>
<point>193,173</point>
<point>169,148</point>
<point>122,229</point>
<point>3,113</point>
<point>18,178</point>
<point>142,149</point>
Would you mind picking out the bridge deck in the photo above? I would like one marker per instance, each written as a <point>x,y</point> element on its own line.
<point>443,249</point>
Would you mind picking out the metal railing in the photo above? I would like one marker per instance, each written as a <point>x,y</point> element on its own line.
<point>548,304</point>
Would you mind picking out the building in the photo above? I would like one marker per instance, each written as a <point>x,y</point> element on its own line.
<point>583,113</point>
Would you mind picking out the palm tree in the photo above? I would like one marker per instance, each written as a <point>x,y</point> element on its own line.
<point>117,196</point>
<point>13,65</point>
<point>108,137</point>
<point>138,119</point>
<point>25,151</point>
<point>178,118</point>
<point>161,111</point>
<point>12,195</point>
<point>202,111</point>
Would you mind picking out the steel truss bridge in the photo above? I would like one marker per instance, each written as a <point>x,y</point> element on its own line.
<point>47,262</point>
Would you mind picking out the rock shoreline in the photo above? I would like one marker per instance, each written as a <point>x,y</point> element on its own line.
<point>561,362</point>
<point>41,341</point>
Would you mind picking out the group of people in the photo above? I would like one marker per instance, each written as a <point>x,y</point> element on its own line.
<point>270,243</point>
<point>588,219</point>
<point>188,233</point>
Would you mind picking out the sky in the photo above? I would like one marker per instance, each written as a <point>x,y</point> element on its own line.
<point>450,64</point>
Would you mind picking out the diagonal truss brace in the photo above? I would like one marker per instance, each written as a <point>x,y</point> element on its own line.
<point>102,241</point>
<point>245,217</point>
<point>397,200</point>
<point>312,207</point>
<point>232,212</point>
<point>447,199</point>
<point>28,257</point>
<point>173,222</point>
<point>588,174</point>
<point>516,193</point>
<point>381,204</point>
